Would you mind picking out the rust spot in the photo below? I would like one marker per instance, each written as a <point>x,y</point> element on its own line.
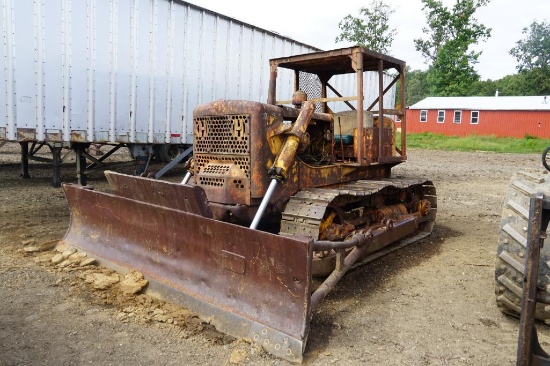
<point>26,134</point>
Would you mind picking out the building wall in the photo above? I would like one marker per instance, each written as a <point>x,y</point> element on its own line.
<point>499,123</point>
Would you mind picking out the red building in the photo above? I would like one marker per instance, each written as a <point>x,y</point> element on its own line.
<point>463,116</point>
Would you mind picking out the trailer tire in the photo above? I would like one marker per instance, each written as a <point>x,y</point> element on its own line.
<point>512,238</point>
<point>165,153</point>
<point>545,162</point>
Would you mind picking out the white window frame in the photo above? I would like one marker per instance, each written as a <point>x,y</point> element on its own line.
<point>472,118</point>
<point>425,112</point>
<point>397,118</point>
<point>459,117</point>
<point>438,115</point>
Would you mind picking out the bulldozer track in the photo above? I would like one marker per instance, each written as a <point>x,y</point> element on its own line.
<point>305,210</point>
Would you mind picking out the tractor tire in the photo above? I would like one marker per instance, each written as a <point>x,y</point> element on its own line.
<point>512,240</point>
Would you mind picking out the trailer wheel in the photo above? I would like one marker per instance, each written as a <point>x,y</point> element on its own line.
<point>165,153</point>
<point>545,158</point>
<point>512,239</point>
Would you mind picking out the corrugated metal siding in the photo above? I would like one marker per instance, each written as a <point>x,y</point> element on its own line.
<point>499,123</point>
<point>500,103</point>
<point>134,70</point>
<point>126,70</point>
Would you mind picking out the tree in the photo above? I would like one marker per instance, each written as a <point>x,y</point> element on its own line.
<point>486,88</point>
<point>452,33</point>
<point>417,86</point>
<point>537,81</point>
<point>452,74</point>
<point>533,56</point>
<point>527,82</point>
<point>533,51</point>
<point>512,85</point>
<point>371,29</point>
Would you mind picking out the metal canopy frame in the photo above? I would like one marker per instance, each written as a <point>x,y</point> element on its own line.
<point>352,60</point>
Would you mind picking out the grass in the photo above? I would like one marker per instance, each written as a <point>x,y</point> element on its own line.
<point>432,141</point>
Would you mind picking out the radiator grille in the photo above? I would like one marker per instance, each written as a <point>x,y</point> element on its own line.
<point>243,162</point>
<point>222,135</point>
<point>216,182</point>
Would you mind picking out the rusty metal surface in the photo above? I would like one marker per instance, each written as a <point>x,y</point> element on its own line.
<point>78,136</point>
<point>371,238</point>
<point>287,154</point>
<point>309,212</point>
<point>54,135</point>
<point>338,61</point>
<point>244,158</point>
<point>249,283</point>
<point>181,197</point>
<point>530,353</point>
<point>26,134</point>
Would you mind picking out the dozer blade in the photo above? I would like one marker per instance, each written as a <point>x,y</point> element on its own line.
<point>247,283</point>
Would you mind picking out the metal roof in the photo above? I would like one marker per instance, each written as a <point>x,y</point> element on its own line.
<point>336,62</point>
<point>534,103</point>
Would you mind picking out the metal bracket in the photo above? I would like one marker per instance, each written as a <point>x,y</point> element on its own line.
<point>175,161</point>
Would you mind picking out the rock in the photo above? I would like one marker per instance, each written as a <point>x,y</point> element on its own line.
<point>237,356</point>
<point>87,262</point>
<point>65,263</point>
<point>68,252</point>
<point>28,242</point>
<point>31,249</point>
<point>133,283</point>
<point>61,246</point>
<point>160,318</point>
<point>76,257</point>
<point>102,281</point>
<point>48,245</point>
<point>58,258</point>
<point>43,259</point>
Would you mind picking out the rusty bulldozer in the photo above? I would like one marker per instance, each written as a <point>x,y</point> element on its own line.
<point>277,193</point>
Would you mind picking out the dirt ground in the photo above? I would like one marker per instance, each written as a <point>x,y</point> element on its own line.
<point>431,303</point>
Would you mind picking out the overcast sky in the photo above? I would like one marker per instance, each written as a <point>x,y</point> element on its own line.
<point>316,23</point>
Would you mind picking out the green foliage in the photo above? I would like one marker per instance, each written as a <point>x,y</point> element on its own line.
<point>533,51</point>
<point>416,88</point>
<point>432,141</point>
<point>452,74</point>
<point>528,82</point>
<point>452,32</point>
<point>485,88</point>
<point>371,29</point>
<point>513,85</point>
<point>533,56</point>
<point>537,81</point>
